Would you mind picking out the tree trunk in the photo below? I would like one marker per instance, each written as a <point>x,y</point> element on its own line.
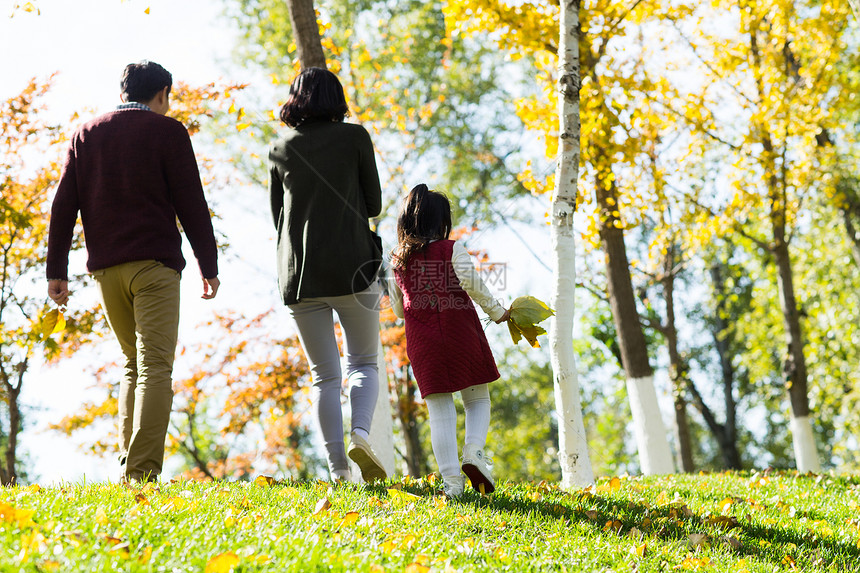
<point>576,471</point>
<point>9,473</point>
<point>306,33</point>
<point>677,366</point>
<point>416,460</point>
<point>805,451</point>
<point>726,434</point>
<point>655,456</point>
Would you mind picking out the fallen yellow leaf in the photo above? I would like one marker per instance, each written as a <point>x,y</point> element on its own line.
<point>222,563</point>
<point>145,555</point>
<point>264,481</point>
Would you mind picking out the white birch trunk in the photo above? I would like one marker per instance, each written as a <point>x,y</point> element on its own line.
<point>576,471</point>
<point>381,427</point>
<point>655,456</point>
<point>805,452</point>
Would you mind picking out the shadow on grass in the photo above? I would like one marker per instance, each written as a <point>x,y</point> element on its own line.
<point>669,523</point>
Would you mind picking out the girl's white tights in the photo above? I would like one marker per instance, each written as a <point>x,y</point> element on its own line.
<point>443,425</point>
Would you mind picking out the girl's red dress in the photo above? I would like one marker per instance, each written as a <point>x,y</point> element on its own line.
<point>445,340</point>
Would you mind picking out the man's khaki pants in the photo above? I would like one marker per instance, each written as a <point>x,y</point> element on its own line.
<point>141,301</point>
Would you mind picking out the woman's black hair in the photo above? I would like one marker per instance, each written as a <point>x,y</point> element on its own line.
<point>315,94</point>
<point>141,82</point>
<point>425,216</point>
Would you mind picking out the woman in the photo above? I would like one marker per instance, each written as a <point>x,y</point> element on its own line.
<point>323,187</point>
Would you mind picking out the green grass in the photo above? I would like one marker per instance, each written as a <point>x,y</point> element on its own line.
<point>711,522</point>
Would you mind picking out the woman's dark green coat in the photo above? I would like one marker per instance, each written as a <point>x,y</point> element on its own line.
<point>323,186</point>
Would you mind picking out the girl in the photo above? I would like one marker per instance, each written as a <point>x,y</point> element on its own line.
<point>444,338</point>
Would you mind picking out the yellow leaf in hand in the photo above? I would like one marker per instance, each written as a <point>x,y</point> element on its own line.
<point>52,322</point>
<point>525,314</point>
<point>516,335</point>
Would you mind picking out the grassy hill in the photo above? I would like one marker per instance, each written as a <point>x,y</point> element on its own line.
<point>711,522</point>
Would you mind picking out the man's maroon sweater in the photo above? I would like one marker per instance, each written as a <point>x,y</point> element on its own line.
<point>131,173</point>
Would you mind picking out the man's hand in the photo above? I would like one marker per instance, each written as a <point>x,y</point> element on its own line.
<point>210,287</point>
<point>58,290</point>
<point>505,316</point>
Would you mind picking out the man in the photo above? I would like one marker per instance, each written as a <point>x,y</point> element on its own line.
<point>131,173</point>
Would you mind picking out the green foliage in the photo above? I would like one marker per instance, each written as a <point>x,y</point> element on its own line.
<point>432,100</point>
<point>719,522</point>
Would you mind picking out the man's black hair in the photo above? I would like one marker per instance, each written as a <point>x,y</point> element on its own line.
<point>142,81</point>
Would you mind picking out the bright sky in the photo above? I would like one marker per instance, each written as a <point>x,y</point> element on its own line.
<point>89,42</point>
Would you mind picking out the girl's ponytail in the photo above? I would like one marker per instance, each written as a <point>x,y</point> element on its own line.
<point>425,216</point>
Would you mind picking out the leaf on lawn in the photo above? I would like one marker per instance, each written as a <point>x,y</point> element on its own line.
<point>322,505</point>
<point>732,541</point>
<point>402,497</point>
<point>264,481</point>
<point>592,515</point>
<point>639,550</point>
<point>101,517</point>
<point>723,521</point>
<point>697,540</point>
<point>615,484</point>
<point>145,554</point>
<point>694,563</point>
<point>726,504</point>
<point>416,568</point>
<point>141,498</point>
<point>222,563</point>
<point>350,518</point>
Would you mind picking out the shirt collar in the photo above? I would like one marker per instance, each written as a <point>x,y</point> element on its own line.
<point>133,105</point>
